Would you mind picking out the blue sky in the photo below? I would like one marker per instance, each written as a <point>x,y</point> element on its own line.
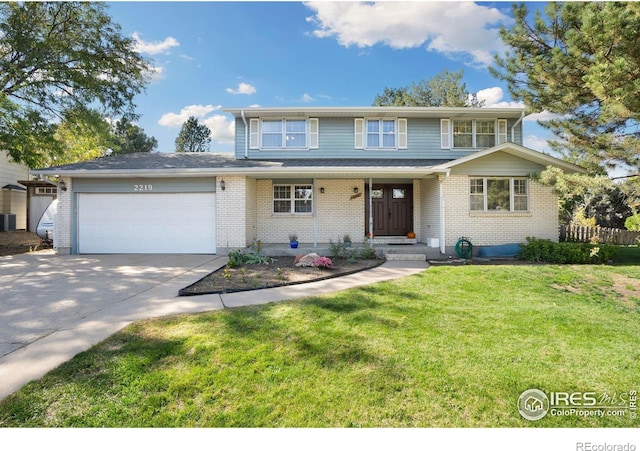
<point>213,55</point>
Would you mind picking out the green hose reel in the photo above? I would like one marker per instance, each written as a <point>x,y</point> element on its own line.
<point>464,248</point>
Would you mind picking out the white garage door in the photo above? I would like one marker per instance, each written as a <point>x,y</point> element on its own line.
<point>141,223</point>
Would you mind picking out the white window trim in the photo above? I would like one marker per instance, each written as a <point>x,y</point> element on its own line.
<point>512,195</point>
<point>45,191</point>
<point>312,134</point>
<point>401,133</point>
<point>446,133</point>
<point>292,200</point>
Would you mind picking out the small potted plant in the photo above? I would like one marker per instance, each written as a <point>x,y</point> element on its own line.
<point>293,240</point>
<point>346,240</point>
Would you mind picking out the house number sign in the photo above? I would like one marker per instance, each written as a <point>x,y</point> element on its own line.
<point>137,188</point>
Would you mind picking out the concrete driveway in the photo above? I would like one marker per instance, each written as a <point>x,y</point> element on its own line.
<point>52,307</point>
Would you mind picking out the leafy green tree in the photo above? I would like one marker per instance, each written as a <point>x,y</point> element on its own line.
<point>583,197</point>
<point>81,140</point>
<point>193,137</point>
<point>580,60</point>
<point>130,138</point>
<point>445,89</point>
<point>61,61</point>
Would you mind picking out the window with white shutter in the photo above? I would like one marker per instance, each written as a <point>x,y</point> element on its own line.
<point>313,133</point>
<point>445,134</point>
<point>502,131</point>
<point>402,133</point>
<point>254,134</point>
<point>358,133</point>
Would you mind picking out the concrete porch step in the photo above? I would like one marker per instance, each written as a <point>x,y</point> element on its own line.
<point>394,240</point>
<point>406,257</point>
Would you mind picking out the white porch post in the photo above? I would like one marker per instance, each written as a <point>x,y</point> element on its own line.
<point>442,222</point>
<point>370,210</point>
<point>315,215</point>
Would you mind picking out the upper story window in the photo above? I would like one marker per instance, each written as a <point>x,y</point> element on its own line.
<point>283,134</point>
<point>380,134</point>
<point>472,133</point>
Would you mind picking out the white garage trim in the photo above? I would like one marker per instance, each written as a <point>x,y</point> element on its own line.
<point>144,223</point>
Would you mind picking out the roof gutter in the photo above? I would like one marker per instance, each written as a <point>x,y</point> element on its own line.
<point>513,128</point>
<point>246,134</point>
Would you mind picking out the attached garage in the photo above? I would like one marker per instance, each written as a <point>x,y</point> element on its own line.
<point>164,216</point>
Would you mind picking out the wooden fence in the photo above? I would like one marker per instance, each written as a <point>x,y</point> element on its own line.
<point>583,234</point>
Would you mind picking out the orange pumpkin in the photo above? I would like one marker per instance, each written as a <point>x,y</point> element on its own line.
<point>411,235</point>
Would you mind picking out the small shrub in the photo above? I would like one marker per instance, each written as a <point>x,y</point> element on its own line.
<point>633,222</point>
<point>237,258</point>
<point>547,251</point>
<point>337,250</point>
<point>367,252</point>
<point>352,256</point>
<point>323,263</point>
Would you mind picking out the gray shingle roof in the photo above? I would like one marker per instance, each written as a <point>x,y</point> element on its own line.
<point>206,160</point>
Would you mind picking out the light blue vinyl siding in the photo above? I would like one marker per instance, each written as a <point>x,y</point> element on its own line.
<point>336,140</point>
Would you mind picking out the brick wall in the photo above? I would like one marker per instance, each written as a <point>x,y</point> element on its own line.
<point>339,211</point>
<point>62,234</point>
<point>430,210</point>
<point>231,208</point>
<point>483,229</point>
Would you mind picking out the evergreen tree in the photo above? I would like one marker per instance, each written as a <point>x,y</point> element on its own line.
<point>193,137</point>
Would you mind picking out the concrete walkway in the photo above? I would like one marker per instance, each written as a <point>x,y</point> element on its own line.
<point>53,307</point>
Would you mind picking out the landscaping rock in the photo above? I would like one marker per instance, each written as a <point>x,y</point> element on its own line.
<point>308,260</point>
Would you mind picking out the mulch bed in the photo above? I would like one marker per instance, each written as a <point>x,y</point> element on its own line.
<point>281,271</point>
<point>19,242</point>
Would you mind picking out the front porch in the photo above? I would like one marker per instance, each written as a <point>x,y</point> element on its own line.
<point>390,248</point>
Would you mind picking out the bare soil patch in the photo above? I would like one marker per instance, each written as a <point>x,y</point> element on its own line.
<point>281,271</point>
<point>19,242</point>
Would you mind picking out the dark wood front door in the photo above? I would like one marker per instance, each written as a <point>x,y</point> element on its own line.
<point>392,209</point>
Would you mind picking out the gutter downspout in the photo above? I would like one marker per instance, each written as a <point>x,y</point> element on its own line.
<point>513,127</point>
<point>246,134</point>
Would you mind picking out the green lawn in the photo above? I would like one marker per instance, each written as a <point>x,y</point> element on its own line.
<point>451,347</point>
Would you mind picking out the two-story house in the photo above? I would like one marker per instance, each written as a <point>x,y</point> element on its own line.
<point>320,173</point>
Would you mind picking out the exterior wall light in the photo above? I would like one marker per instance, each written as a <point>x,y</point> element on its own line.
<point>222,185</point>
<point>355,190</point>
<point>322,190</point>
<point>62,186</point>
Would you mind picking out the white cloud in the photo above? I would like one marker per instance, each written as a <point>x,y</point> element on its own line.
<point>154,47</point>
<point>537,143</point>
<point>544,116</point>
<point>456,29</point>
<point>243,88</point>
<point>306,98</point>
<point>177,119</point>
<point>155,72</point>
<point>493,98</point>
<point>222,127</point>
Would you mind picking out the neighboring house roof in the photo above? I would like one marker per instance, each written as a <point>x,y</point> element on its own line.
<point>376,111</point>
